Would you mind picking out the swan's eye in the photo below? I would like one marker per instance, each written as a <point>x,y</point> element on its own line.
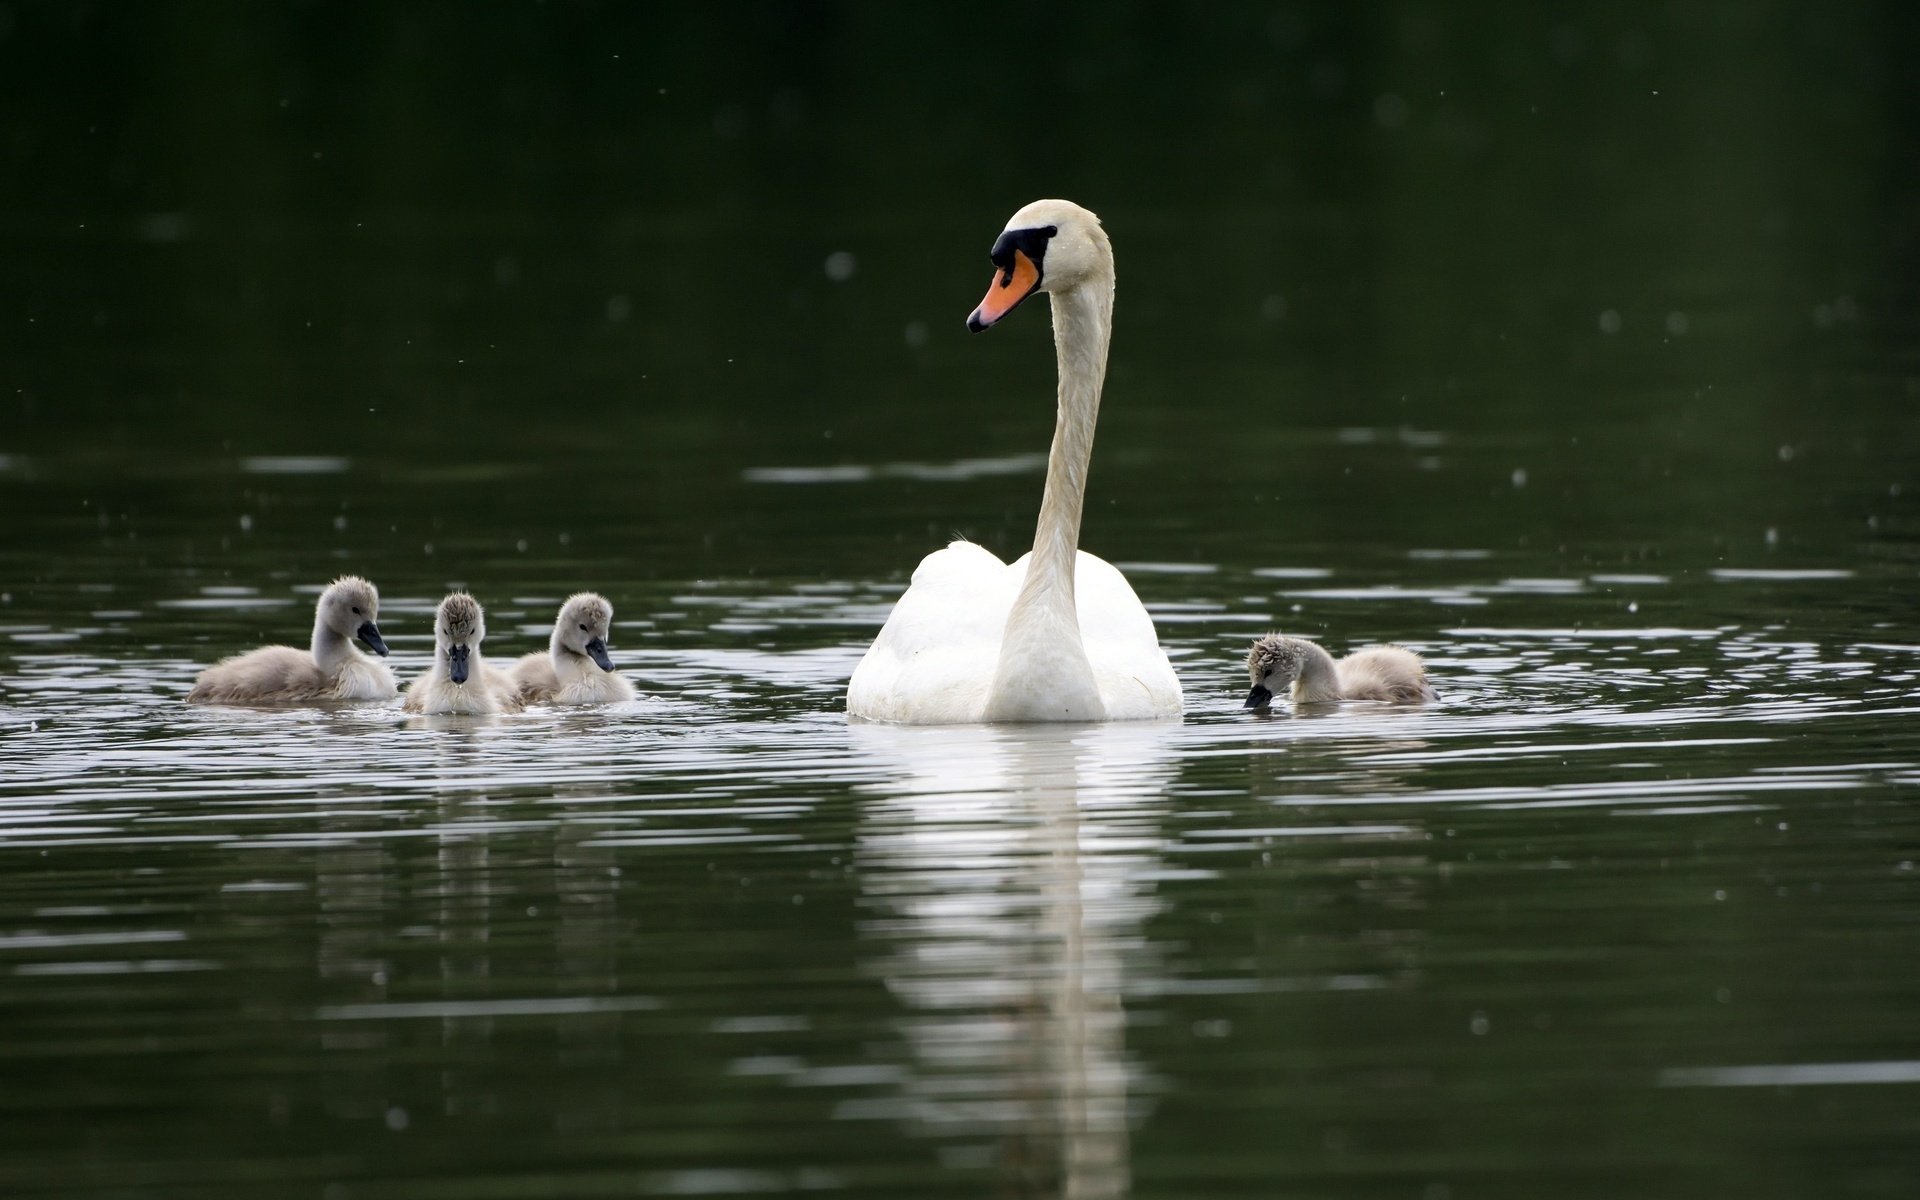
<point>1031,242</point>
<point>583,629</point>
<point>356,612</point>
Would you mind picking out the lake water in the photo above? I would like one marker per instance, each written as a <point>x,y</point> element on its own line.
<point>1610,412</point>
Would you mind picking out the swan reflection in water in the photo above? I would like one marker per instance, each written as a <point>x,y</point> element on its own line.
<point>1007,877</point>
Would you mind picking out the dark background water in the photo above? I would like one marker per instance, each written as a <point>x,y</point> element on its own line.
<point>1572,345</point>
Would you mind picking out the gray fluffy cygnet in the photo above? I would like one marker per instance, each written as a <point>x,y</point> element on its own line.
<point>1385,673</point>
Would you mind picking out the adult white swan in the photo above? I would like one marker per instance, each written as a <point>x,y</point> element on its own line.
<point>1059,635</point>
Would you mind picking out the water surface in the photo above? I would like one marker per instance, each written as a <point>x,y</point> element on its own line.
<point>1592,380</point>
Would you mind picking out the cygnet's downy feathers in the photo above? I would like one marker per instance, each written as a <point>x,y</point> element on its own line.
<point>330,669</point>
<point>460,679</point>
<point>576,669</point>
<point>1385,673</point>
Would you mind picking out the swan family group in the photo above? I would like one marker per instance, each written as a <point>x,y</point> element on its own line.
<point>1057,635</point>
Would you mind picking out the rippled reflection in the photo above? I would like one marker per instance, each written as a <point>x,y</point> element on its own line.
<point>1006,880</point>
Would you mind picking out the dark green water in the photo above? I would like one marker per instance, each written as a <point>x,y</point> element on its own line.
<point>1573,348</point>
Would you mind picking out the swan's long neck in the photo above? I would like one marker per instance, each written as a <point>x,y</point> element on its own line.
<point>1082,326</point>
<point>1043,673</point>
<point>330,649</point>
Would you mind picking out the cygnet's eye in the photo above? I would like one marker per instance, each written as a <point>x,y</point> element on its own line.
<point>356,612</point>
<point>584,629</point>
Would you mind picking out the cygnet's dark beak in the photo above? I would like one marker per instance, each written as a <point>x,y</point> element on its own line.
<point>1259,697</point>
<point>597,651</point>
<point>370,634</point>
<point>457,663</point>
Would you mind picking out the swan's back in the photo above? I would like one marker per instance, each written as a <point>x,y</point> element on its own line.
<point>935,659</point>
<point>1388,673</point>
<point>933,662</point>
<point>1135,680</point>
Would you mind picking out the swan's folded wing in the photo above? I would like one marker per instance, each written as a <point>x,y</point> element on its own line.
<point>935,657</point>
<point>1135,678</point>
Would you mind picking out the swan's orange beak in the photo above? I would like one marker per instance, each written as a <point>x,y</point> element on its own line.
<point>1004,294</point>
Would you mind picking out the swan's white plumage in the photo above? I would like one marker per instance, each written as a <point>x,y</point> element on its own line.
<point>1059,635</point>
<point>935,659</point>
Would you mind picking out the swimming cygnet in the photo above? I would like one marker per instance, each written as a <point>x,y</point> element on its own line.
<point>332,670</point>
<point>1375,673</point>
<point>576,668</point>
<point>460,681</point>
